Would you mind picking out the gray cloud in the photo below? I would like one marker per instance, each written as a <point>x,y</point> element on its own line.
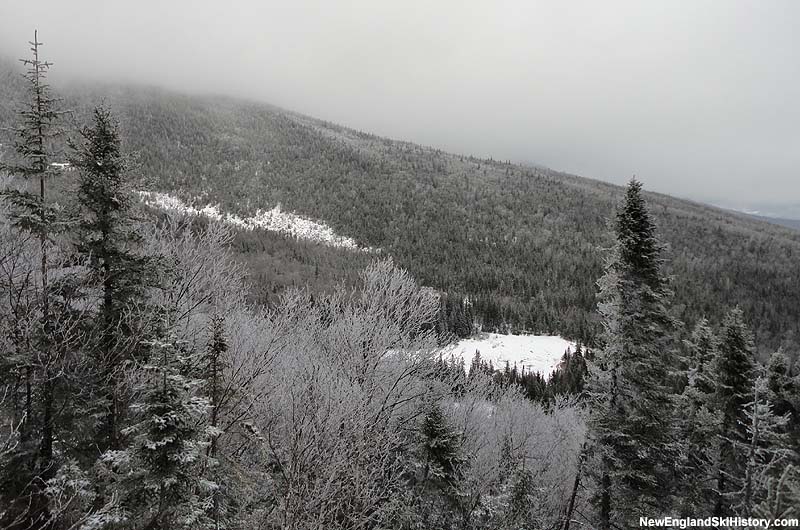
<point>698,98</point>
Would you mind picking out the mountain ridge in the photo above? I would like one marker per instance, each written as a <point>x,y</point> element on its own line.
<point>525,243</point>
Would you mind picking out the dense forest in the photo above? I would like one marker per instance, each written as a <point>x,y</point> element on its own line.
<point>524,244</point>
<point>145,384</point>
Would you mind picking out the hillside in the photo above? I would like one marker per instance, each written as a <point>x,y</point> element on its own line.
<point>789,223</point>
<point>525,244</point>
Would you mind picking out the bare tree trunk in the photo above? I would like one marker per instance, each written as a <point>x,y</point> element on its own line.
<point>605,500</point>
<point>45,464</point>
<point>571,506</point>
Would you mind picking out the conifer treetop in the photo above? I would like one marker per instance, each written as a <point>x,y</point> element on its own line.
<point>38,118</point>
<point>639,248</point>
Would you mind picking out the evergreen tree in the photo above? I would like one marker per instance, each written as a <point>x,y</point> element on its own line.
<point>735,371</point>
<point>158,476</point>
<point>702,352</point>
<point>438,463</point>
<point>569,377</point>
<point>784,394</point>
<point>476,367</point>
<point>37,361</point>
<point>521,503</point>
<point>107,241</point>
<point>698,425</point>
<point>631,418</point>
<point>454,319</point>
<point>440,455</point>
<point>214,364</point>
<point>767,482</point>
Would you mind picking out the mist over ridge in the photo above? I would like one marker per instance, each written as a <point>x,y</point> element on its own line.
<point>698,103</point>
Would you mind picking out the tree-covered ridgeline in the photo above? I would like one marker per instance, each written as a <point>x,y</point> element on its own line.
<point>523,243</point>
<point>143,386</point>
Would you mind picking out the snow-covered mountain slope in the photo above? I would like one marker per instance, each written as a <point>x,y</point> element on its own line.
<point>537,353</point>
<point>274,220</point>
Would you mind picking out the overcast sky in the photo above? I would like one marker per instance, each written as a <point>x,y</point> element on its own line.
<point>699,99</point>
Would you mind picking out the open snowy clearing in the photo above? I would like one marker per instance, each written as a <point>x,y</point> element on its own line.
<point>537,353</point>
<point>274,220</point>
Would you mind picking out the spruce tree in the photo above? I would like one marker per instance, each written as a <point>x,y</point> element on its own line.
<point>698,424</point>
<point>37,358</point>
<point>437,468</point>
<point>158,476</point>
<point>439,451</point>
<point>735,371</point>
<point>702,352</point>
<point>476,366</point>
<point>631,419</point>
<point>784,394</point>
<point>107,241</point>
<point>767,482</point>
<point>521,503</point>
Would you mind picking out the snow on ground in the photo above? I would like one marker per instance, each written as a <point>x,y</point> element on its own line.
<point>537,353</point>
<point>274,220</point>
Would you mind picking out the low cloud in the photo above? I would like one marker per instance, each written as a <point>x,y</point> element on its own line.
<point>698,99</point>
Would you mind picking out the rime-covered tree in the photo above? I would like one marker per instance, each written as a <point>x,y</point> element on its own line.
<point>439,450</point>
<point>438,467</point>
<point>107,240</point>
<point>631,419</point>
<point>521,502</point>
<point>702,348</point>
<point>698,424</point>
<point>105,228</point>
<point>783,383</point>
<point>734,368</point>
<point>159,482</point>
<point>36,361</point>
<point>766,483</point>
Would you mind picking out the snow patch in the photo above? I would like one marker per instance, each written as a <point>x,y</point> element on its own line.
<point>274,220</point>
<point>536,353</point>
